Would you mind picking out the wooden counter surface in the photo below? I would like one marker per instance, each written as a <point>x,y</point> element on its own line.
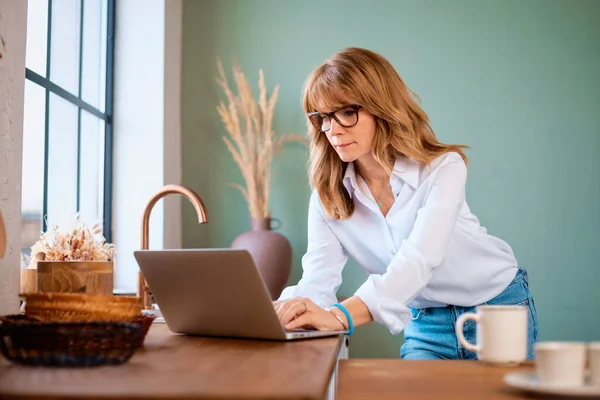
<point>382,379</point>
<point>176,367</point>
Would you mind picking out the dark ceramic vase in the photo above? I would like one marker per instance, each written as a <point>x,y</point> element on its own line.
<point>271,251</point>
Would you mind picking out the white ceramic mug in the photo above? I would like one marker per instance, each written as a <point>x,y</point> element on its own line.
<point>594,362</point>
<point>560,363</point>
<point>501,333</point>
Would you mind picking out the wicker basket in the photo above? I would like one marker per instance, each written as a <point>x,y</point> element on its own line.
<point>81,307</point>
<point>145,320</point>
<point>29,341</point>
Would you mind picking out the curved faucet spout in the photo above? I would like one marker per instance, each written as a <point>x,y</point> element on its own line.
<point>143,289</point>
<point>166,190</point>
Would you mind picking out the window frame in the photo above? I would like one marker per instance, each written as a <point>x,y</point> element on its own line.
<point>106,116</point>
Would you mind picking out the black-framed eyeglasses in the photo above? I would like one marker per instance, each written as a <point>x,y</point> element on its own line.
<point>346,116</point>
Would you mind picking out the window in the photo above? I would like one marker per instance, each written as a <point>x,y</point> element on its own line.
<point>67,135</point>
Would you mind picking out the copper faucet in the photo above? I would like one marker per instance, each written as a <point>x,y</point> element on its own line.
<point>143,288</point>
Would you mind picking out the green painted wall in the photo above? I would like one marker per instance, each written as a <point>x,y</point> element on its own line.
<point>518,81</point>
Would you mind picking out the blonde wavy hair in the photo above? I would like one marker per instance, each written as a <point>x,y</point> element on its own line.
<point>363,77</point>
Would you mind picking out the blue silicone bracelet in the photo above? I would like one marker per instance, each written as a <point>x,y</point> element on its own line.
<point>350,323</point>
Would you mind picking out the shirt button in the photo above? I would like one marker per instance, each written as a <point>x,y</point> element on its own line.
<point>393,252</point>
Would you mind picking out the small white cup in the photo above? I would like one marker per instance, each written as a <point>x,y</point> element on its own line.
<point>594,362</point>
<point>501,333</point>
<point>560,364</point>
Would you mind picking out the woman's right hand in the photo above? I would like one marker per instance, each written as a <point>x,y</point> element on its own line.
<point>301,312</point>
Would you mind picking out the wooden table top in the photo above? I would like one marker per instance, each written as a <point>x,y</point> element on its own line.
<point>375,379</point>
<point>175,366</point>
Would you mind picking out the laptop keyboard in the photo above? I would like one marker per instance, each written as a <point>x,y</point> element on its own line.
<point>299,333</point>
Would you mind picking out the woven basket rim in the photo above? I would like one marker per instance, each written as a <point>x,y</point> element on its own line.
<point>125,309</point>
<point>78,297</point>
<point>24,320</point>
<point>76,306</point>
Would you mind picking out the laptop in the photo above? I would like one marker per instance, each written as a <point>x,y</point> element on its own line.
<point>214,292</point>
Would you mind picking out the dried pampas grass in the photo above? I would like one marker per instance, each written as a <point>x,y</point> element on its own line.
<point>251,141</point>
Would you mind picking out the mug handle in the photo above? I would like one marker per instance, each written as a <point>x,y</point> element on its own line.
<point>459,331</point>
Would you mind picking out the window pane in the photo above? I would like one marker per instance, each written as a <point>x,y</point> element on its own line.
<point>37,35</point>
<point>33,164</point>
<point>94,53</point>
<point>64,50</point>
<point>62,162</point>
<point>91,189</point>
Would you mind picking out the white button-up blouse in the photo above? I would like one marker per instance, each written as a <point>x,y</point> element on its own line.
<point>428,251</point>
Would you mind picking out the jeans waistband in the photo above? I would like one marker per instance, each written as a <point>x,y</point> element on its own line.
<point>520,276</point>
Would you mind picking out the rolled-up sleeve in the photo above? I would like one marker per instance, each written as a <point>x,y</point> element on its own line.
<point>323,262</point>
<point>387,295</point>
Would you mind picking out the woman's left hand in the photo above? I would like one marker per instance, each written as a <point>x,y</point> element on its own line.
<point>303,313</point>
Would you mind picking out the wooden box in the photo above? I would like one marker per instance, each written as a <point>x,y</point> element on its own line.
<point>93,277</point>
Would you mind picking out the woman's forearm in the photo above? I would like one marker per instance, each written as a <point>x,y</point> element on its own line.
<point>358,311</point>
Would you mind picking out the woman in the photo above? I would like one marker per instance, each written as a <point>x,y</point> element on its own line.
<point>389,194</point>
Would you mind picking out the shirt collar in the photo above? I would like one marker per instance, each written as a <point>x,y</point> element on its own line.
<point>349,180</point>
<point>408,170</point>
<point>405,169</point>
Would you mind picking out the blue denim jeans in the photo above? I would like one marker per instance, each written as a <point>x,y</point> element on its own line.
<point>431,335</point>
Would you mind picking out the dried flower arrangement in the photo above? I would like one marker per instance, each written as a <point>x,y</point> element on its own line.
<point>252,141</point>
<point>80,244</point>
